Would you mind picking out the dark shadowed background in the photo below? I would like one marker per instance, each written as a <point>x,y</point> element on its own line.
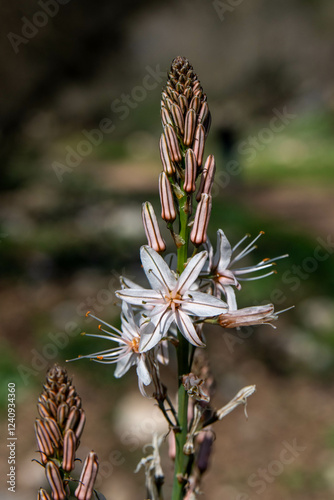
<point>80,122</point>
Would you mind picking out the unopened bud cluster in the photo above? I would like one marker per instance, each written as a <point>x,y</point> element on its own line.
<point>186,122</point>
<point>58,432</point>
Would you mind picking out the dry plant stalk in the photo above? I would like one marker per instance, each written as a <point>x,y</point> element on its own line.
<point>197,285</point>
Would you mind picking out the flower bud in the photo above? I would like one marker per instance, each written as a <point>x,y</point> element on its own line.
<point>81,424</point>
<point>42,495</point>
<point>207,178</point>
<point>62,414</point>
<point>69,450</point>
<point>199,143</point>
<point>87,479</point>
<point>172,143</point>
<point>151,227</point>
<point>183,103</point>
<point>54,479</point>
<point>178,117</point>
<point>255,315</point>
<point>203,113</point>
<point>198,233</point>
<point>165,118</point>
<point>164,155</point>
<point>43,439</point>
<point>204,452</point>
<point>190,172</point>
<point>73,418</point>
<point>189,127</point>
<point>53,431</point>
<point>52,408</point>
<point>195,103</point>
<point>42,410</point>
<point>168,212</point>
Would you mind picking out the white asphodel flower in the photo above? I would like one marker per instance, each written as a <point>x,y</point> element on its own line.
<point>222,271</point>
<point>172,299</point>
<point>126,354</point>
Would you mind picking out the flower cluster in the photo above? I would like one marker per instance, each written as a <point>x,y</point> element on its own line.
<point>185,291</point>
<point>204,288</point>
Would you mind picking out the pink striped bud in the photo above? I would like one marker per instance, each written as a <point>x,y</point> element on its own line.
<point>43,439</point>
<point>172,143</point>
<point>62,414</point>
<point>73,418</point>
<point>53,431</point>
<point>164,155</point>
<point>151,227</point>
<point>81,424</point>
<point>199,143</point>
<point>198,233</point>
<point>203,113</point>
<point>165,118</point>
<point>42,410</point>
<point>195,103</point>
<point>178,118</point>
<point>168,212</point>
<point>54,479</point>
<point>52,408</point>
<point>188,93</point>
<point>207,178</point>
<point>189,127</point>
<point>88,476</point>
<point>42,495</point>
<point>190,172</point>
<point>183,102</point>
<point>69,450</point>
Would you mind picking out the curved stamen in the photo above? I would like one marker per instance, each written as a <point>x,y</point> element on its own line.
<point>253,278</point>
<point>249,248</point>
<point>104,323</point>
<point>241,241</point>
<point>250,269</point>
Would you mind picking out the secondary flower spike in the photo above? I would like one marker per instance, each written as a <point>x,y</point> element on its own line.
<point>172,299</point>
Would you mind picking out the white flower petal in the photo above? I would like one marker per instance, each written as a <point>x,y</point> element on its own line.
<point>223,253</point>
<point>191,272</point>
<point>202,305</point>
<point>187,329</point>
<point>124,364</point>
<point>158,273</point>
<point>230,297</point>
<point>139,297</point>
<point>126,283</point>
<point>142,371</point>
<point>153,332</point>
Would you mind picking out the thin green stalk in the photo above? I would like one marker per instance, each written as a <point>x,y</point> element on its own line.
<point>181,460</point>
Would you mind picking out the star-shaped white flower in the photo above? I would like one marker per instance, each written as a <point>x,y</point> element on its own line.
<point>224,275</point>
<point>126,354</point>
<point>172,299</point>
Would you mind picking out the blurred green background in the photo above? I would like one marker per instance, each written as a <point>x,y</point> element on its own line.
<point>80,125</point>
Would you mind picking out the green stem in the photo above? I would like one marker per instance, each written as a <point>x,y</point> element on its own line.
<point>181,460</point>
